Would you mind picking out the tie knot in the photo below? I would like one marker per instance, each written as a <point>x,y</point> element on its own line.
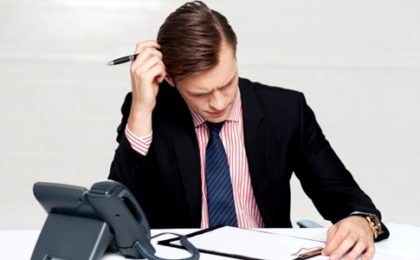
<point>215,128</point>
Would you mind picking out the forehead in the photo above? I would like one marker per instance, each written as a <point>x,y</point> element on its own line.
<point>215,77</point>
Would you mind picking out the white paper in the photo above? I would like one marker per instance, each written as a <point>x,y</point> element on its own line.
<point>252,243</point>
<point>404,242</point>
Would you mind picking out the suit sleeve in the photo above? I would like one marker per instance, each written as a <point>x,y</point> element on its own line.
<point>323,176</point>
<point>126,160</point>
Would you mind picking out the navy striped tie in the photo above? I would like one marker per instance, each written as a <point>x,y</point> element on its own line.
<point>221,205</point>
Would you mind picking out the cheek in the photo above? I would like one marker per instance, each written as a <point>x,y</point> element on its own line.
<point>232,94</point>
<point>197,103</point>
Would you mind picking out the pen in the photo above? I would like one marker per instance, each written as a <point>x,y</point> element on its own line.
<point>126,58</point>
<point>123,59</point>
<point>305,253</point>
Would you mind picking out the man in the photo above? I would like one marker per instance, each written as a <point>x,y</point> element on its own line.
<point>199,146</point>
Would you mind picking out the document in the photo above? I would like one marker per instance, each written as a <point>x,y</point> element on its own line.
<point>404,242</point>
<point>247,244</point>
<point>267,244</point>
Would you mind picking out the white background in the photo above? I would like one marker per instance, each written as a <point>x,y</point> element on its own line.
<point>357,62</point>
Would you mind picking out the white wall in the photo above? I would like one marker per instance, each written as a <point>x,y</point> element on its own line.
<point>358,63</point>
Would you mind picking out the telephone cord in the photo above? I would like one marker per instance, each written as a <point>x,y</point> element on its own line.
<point>195,255</point>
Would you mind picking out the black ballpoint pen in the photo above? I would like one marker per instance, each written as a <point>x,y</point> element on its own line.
<point>123,59</point>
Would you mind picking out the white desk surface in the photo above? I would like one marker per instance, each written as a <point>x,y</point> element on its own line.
<point>404,243</point>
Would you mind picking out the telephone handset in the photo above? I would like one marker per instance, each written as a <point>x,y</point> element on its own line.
<point>82,224</point>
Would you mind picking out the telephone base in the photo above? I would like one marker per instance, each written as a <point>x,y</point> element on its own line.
<point>66,237</point>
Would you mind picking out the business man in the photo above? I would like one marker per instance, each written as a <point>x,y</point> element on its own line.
<point>199,146</point>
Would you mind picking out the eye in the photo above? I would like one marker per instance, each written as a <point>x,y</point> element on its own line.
<point>225,87</point>
<point>199,95</point>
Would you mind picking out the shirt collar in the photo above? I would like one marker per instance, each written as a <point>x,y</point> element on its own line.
<point>234,115</point>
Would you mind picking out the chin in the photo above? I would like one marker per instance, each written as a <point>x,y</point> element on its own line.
<point>215,120</point>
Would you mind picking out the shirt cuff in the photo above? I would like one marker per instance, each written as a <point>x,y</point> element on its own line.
<point>140,144</point>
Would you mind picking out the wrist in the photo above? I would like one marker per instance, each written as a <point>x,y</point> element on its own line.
<point>140,122</point>
<point>139,109</point>
<point>373,222</point>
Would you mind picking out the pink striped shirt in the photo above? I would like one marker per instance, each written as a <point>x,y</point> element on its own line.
<point>232,136</point>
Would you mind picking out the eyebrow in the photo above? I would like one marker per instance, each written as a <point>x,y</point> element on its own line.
<point>223,86</point>
<point>229,82</point>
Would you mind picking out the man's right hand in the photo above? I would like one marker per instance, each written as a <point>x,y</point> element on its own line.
<point>146,71</point>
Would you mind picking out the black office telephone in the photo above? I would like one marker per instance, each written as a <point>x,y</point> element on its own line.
<point>83,224</point>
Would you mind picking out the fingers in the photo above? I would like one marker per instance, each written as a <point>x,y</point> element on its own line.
<point>146,50</point>
<point>331,233</point>
<point>334,239</point>
<point>368,255</point>
<point>148,57</point>
<point>362,248</point>
<point>349,243</point>
<point>350,239</point>
<point>146,71</point>
<point>145,54</point>
<point>144,45</point>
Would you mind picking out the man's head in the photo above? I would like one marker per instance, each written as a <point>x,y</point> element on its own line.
<point>199,53</point>
<point>191,38</point>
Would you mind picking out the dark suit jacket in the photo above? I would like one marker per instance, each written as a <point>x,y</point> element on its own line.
<point>282,136</point>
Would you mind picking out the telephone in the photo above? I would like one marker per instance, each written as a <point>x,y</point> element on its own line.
<point>83,224</point>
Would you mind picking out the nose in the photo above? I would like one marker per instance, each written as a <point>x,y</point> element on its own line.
<point>217,101</point>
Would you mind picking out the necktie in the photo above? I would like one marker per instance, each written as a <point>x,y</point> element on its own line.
<point>220,201</point>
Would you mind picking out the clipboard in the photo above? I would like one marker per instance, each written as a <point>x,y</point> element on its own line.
<point>169,242</point>
<point>292,246</point>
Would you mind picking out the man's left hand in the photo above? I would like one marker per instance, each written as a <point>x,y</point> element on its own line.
<point>350,238</point>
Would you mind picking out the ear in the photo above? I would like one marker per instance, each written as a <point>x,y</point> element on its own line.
<point>170,80</point>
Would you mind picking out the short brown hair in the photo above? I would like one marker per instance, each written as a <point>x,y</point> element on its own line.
<point>191,37</point>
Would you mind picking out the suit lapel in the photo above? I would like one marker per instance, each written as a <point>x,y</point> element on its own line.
<point>187,155</point>
<point>256,135</point>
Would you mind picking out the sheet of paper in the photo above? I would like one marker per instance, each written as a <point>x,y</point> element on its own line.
<point>404,241</point>
<point>317,234</point>
<point>403,244</point>
<point>251,243</point>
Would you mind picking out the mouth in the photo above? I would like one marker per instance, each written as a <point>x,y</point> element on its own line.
<point>217,113</point>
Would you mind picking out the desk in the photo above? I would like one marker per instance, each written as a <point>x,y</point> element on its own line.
<point>403,243</point>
